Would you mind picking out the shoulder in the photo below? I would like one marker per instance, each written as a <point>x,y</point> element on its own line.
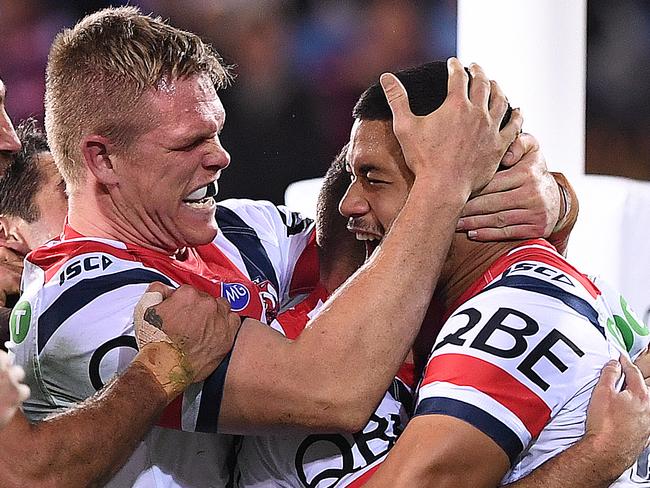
<point>260,216</point>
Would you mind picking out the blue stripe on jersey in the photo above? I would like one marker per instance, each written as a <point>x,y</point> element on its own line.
<point>248,244</point>
<point>536,285</point>
<point>81,294</point>
<point>211,395</point>
<point>483,421</point>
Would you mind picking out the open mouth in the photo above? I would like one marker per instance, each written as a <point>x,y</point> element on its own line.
<point>202,197</point>
<point>371,241</point>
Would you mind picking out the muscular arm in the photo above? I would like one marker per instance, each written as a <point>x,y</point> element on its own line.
<point>87,444</point>
<point>618,425</point>
<point>333,375</point>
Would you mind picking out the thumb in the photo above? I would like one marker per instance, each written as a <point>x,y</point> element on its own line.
<point>164,290</point>
<point>395,95</point>
<point>609,375</point>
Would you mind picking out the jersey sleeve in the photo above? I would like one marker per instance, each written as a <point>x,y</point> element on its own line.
<point>72,329</point>
<point>73,335</point>
<point>509,359</point>
<point>276,244</point>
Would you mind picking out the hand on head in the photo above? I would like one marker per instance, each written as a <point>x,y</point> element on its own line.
<point>521,202</point>
<point>459,143</point>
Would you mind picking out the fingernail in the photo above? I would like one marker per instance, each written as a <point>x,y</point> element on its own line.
<point>460,225</point>
<point>387,81</point>
<point>613,362</point>
<point>471,234</point>
<point>508,157</point>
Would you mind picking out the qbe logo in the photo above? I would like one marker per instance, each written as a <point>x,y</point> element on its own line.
<point>237,295</point>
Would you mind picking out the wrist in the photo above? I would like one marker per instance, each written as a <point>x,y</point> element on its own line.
<point>167,365</point>
<point>593,445</point>
<point>440,191</point>
<point>566,202</point>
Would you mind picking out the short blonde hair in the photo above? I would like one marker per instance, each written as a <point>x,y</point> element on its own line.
<point>98,71</point>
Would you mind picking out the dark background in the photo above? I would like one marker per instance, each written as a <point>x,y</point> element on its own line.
<point>301,65</point>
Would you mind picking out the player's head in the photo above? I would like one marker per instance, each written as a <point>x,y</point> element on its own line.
<point>339,251</point>
<point>131,112</point>
<point>33,203</point>
<point>381,179</point>
<point>9,142</point>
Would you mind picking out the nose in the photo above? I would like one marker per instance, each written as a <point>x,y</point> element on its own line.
<point>8,139</point>
<point>353,204</point>
<point>217,158</point>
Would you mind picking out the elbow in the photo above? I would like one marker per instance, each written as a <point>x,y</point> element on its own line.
<point>341,415</point>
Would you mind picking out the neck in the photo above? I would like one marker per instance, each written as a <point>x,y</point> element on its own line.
<point>97,216</point>
<point>466,262</point>
<point>336,267</point>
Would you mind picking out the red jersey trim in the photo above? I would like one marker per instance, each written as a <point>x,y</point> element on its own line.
<point>463,370</point>
<point>546,256</point>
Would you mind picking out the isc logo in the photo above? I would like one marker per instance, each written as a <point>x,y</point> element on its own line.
<point>237,295</point>
<point>88,263</point>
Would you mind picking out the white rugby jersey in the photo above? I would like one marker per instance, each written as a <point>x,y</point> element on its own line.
<point>324,460</point>
<point>519,358</point>
<point>72,329</point>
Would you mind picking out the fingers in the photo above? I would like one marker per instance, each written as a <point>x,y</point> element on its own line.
<point>505,180</point>
<point>643,363</point>
<point>458,79</point>
<point>16,375</point>
<point>395,95</point>
<point>479,86</point>
<point>609,375</point>
<point>509,233</point>
<point>513,128</point>
<point>498,103</point>
<point>633,378</point>
<point>164,290</point>
<point>521,146</point>
<point>500,200</point>
<point>496,220</point>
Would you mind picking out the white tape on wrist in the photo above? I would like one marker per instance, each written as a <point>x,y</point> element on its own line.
<point>145,331</point>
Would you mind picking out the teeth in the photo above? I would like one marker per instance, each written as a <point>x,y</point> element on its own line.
<point>365,237</point>
<point>206,191</point>
<point>204,203</point>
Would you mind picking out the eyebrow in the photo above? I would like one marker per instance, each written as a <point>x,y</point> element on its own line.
<point>365,168</point>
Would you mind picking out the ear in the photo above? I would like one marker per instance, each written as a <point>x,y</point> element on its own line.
<point>98,156</point>
<point>11,237</point>
<point>4,231</point>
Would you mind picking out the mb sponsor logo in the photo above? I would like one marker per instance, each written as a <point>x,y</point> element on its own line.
<point>237,295</point>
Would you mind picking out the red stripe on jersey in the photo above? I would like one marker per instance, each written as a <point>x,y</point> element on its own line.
<point>205,268</point>
<point>363,479</point>
<point>545,256</point>
<point>306,272</point>
<point>463,370</point>
<point>50,259</point>
<point>294,320</point>
<point>406,373</point>
<point>171,417</point>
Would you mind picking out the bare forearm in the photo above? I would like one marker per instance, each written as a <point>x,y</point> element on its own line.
<point>334,375</point>
<point>580,466</point>
<point>84,446</point>
<point>363,335</point>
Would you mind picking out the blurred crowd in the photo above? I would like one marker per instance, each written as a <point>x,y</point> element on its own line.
<point>300,65</point>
